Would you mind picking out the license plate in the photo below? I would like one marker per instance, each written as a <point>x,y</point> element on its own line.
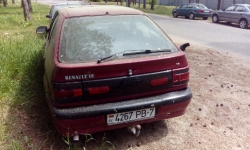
<point>130,116</point>
<point>206,11</point>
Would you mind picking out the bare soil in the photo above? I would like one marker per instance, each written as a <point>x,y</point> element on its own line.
<point>217,117</point>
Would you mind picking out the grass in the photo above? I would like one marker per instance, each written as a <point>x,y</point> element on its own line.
<point>24,115</point>
<point>20,68</point>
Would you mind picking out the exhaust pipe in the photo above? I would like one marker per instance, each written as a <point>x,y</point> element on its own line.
<point>76,137</point>
<point>135,130</point>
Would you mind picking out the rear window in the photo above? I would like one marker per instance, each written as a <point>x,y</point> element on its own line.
<point>86,39</point>
<point>202,6</point>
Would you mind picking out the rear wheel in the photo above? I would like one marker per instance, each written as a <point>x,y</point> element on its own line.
<point>175,14</point>
<point>204,18</point>
<point>191,16</point>
<point>243,24</point>
<point>215,18</point>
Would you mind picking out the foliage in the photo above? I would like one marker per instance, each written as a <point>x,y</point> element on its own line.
<point>150,2</point>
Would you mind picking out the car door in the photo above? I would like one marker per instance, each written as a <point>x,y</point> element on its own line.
<point>189,9</point>
<point>182,10</point>
<point>237,14</point>
<point>225,15</point>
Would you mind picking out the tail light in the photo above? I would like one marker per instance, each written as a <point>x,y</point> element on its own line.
<point>67,93</point>
<point>200,11</point>
<point>180,76</point>
<point>159,81</point>
<point>98,90</point>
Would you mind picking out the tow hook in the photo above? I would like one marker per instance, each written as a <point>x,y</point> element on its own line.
<point>76,136</point>
<point>135,130</point>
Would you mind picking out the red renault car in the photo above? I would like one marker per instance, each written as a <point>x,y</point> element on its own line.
<point>109,67</point>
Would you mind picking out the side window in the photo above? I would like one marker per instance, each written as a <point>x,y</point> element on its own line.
<point>52,25</point>
<point>190,6</point>
<point>240,9</point>
<point>185,6</point>
<point>231,8</point>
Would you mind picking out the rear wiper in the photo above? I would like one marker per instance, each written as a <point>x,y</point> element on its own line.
<point>134,52</point>
<point>147,52</point>
<point>101,59</point>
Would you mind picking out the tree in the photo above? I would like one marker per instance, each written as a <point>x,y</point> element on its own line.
<point>219,5</point>
<point>144,4</point>
<point>152,4</point>
<point>26,12</point>
<point>30,6</point>
<point>5,2</point>
<point>13,1</point>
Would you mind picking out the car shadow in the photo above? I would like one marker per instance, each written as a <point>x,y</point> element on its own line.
<point>229,24</point>
<point>121,139</point>
<point>196,18</point>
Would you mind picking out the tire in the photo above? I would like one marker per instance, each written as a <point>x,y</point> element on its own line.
<point>243,24</point>
<point>175,14</point>
<point>215,18</point>
<point>191,16</point>
<point>205,18</point>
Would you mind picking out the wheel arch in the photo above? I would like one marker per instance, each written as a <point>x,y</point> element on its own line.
<point>243,18</point>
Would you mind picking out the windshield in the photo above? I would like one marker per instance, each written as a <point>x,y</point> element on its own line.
<point>86,39</point>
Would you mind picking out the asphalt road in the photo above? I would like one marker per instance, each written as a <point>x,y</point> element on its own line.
<point>222,36</point>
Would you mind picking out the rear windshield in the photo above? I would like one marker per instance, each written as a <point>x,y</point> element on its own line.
<point>202,6</point>
<point>86,39</point>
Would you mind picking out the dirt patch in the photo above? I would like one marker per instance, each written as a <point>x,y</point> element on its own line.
<point>217,117</point>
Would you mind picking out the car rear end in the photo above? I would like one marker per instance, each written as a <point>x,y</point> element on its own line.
<point>203,11</point>
<point>128,88</point>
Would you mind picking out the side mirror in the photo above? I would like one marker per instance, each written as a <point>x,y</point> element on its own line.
<point>183,46</point>
<point>48,16</point>
<point>42,29</point>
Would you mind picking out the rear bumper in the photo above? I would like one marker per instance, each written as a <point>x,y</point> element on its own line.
<point>202,15</point>
<point>90,119</point>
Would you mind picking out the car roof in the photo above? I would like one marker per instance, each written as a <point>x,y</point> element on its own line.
<point>97,10</point>
<point>195,3</point>
<point>242,4</point>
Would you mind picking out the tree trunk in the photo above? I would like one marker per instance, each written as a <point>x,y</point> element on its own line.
<point>29,5</point>
<point>5,3</point>
<point>152,4</point>
<point>1,1</point>
<point>139,4</point>
<point>26,12</point>
<point>234,1</point>
<point>144,4</point>
<point>219,5</point>
<point>13,1</point>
